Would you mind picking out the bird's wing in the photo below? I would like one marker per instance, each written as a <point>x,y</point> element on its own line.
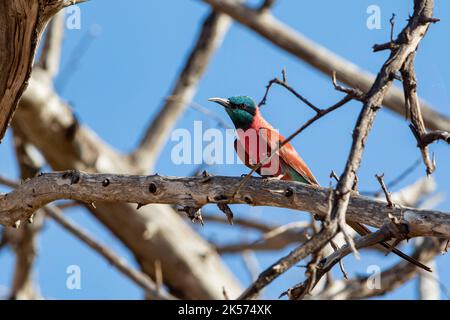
<point>291,158</point>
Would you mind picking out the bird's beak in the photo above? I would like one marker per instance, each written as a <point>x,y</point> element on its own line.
<point>223,102</point>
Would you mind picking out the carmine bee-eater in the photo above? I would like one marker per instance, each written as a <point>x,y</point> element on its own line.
<point>256,138</point>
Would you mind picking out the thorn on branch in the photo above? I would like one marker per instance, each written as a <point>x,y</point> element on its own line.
<point>334,175</point>
<point>193,213</point>
<point>206,176</point>
<point>139,205</point>
<point>283,74</point>
<point>228,213</point>
<point>355,93</point>
<point>425,20</point>
<point>392,22</point>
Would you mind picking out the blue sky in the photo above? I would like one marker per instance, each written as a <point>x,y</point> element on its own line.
<point>126,71</point>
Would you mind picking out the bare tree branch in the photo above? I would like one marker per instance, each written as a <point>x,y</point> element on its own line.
<point>321,58</point>
<point>390,278</point>
<point>198,191</point>
<point>25,20</point>
<point>417,123</point>
<point>410,36</point>
<point>383,234</point>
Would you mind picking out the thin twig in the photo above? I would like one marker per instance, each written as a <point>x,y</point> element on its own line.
<point>392,22</point>
<point>140,278</point>
<point>387,194</point>
<point>341,261</point>
<point>284,84</point>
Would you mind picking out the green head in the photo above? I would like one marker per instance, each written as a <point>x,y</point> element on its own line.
<point>241,109</point>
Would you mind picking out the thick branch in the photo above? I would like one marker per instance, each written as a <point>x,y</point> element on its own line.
<point>198,191</point>
<point>273,239</point>
<point>409,39</point>
<point>321,58</point>
<point>21,25</point>
<point>415,112</point>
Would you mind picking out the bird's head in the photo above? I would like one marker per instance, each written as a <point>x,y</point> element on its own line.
<point>241,109</point>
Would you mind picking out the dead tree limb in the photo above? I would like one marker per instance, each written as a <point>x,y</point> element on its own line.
<point>267,26</point>
<point>21,23</point>
<point>414,108</point>
<point>198,191</point>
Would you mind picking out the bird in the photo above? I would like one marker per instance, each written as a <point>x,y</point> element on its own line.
<point>256,138</point>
